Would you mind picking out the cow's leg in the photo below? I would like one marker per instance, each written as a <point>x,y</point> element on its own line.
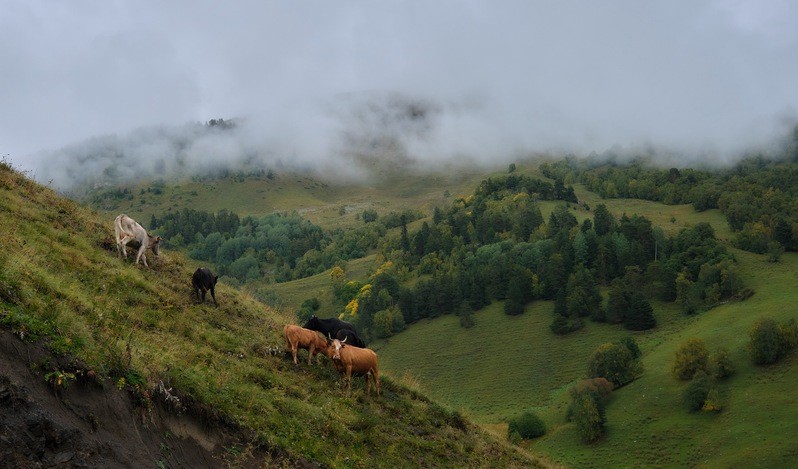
<point>376,377</point>
<point>123,244</point>
<point>203,295</point>
<point>368,383</point>
<point>310,354</point>
<point>213,295</point>
<point>294,351</point>
<point>141,255</point>
<point>349,379</point>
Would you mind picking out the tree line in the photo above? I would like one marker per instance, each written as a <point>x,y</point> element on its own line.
<point>758,196</point>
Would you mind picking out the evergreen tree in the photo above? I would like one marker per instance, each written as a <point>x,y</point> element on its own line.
<point>640,315</point>
<point>603,221</point>
<point>617,302</point>
<point>514,305</point>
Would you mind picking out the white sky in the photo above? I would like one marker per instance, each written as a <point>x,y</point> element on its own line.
<point>504,76</point>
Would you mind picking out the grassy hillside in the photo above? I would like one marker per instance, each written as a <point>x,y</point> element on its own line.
<point>60,281</point>
<point>506,365</point>
<point>320,201</point>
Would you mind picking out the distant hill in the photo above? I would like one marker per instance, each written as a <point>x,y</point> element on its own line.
<point>120,366</point>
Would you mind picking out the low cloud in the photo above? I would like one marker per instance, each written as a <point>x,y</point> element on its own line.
<point>324,84</point>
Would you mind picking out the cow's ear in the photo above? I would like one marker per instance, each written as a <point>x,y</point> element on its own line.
<point>157,239</point>
<point>215,278</point>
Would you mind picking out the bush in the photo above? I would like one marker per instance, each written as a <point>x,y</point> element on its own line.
<point>562,325</point>
<point>697,391</point>
<point>307,309</point>
<point>588,416</point>
<point>771,341</point>
<point>690,358</point>
<point>527,426</point>
<point>720,364</point>
<point>599,388</point>
<point>631,344</point>
<point>613,362</point>
<point>465,314</point>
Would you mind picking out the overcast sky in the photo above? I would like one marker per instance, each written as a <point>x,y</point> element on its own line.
<point>701,76</point>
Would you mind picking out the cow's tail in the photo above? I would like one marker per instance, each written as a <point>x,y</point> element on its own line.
<point>119,233</point>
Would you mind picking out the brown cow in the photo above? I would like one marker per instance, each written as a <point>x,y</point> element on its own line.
<point>297,337</point>
<point>354,360</point>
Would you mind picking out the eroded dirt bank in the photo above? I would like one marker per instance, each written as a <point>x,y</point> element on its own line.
<point>91,423</point>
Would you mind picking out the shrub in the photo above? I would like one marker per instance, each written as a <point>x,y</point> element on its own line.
<point>720,364</point>
<point>527,426</point>
<point>630,343</point>
<point>712,402</point>
<point>613,362</point>
<point>369,215</point>
<point>690,358</point>
<point>771,341</point>
<point>697,391</point>
<point>588,417</point>
<point>466,315</point>
<point>562,325</point>
<point>598,388</point>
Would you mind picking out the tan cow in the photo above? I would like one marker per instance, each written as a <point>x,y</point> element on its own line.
<point>351,360</point>
<point>298,337</point>
<point>126,230</point>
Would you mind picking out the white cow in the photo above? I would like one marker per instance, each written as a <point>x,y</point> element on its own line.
<point>126,230</point>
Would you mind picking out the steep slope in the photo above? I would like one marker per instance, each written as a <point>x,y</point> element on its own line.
<point>116,331</point>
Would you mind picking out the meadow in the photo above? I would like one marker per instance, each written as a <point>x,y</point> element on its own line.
<point>506,365</point>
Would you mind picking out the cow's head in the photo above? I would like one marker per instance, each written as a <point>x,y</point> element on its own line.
<point>312,323</point>
<point>215,279</point>
<point>337,345</point>
<point>155,244</point>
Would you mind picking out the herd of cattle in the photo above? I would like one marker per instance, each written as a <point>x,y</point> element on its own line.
<point>332,337</point>
<point>339,341</point>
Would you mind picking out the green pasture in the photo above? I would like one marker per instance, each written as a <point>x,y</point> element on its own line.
<point>290,295</point>
<point>328,203</point>
<point>506,365</point>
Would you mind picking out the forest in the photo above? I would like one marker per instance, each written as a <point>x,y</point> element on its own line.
<point>492,245</point>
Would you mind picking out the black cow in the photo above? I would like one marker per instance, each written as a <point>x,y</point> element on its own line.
<point>351,337</point>
<point>204,280</point>
<point>332,327</point>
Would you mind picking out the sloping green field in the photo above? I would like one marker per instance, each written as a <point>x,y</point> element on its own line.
<point>506,365</point>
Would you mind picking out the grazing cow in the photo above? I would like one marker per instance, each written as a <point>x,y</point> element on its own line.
<point>126,230</point>
<point>354,360</point>
<point>203,280</point>
<point>331,326</point>
<point>351,337</point>
<point>297,337</point>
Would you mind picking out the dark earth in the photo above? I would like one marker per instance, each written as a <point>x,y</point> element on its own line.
<point>91,423</point>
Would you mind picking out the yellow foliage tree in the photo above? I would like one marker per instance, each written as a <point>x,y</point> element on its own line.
<point>336,274</point>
